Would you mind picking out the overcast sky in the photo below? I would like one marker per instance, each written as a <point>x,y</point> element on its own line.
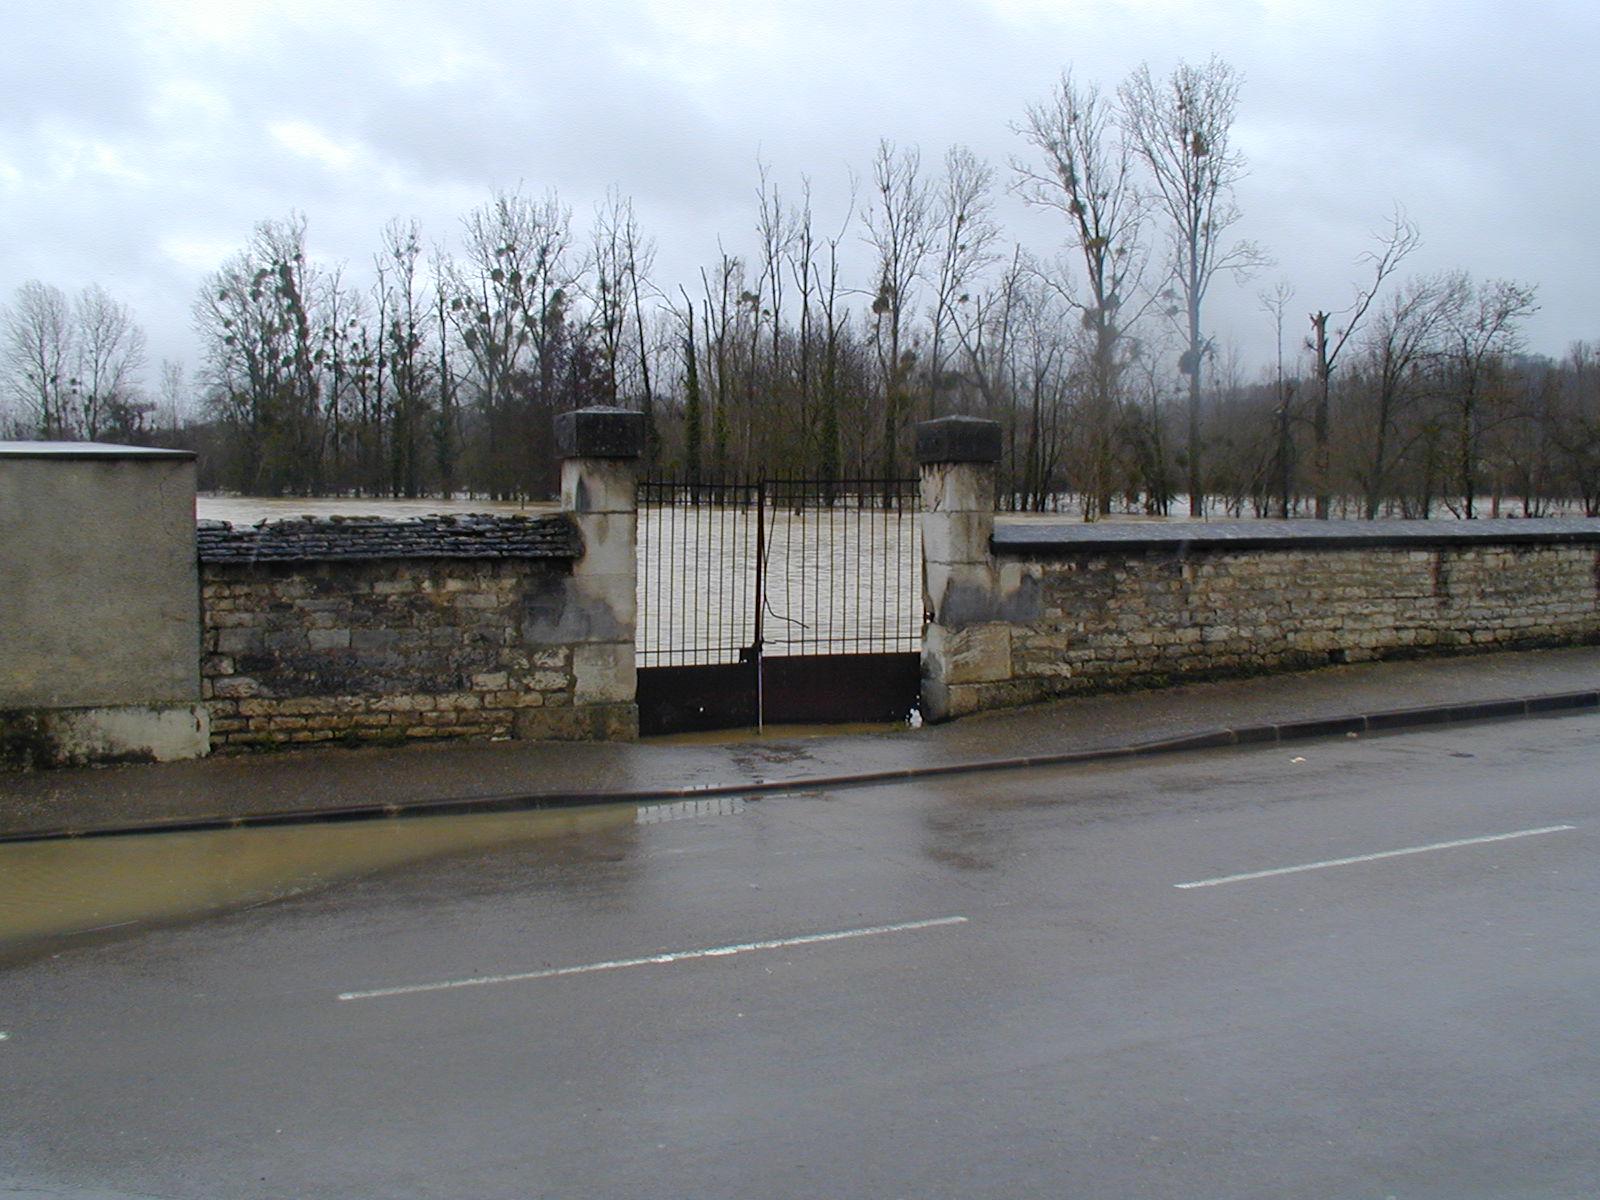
<point>141,141</point>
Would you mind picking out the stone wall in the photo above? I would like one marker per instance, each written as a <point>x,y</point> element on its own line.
<point>1025,609</point>
<point>369,630</point>
<point>1086,608</point>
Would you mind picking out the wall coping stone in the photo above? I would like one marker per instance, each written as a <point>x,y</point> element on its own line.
<point>344,539</point>
<point>89,450</point>
<point>1044,538</point>
<point>600,432</point>
<point>958,440</point>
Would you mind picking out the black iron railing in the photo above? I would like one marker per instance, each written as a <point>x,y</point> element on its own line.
<point>732,571</point>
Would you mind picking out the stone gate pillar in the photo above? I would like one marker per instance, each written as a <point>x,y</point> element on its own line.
<point>600,449</point>
<point>965,645</point>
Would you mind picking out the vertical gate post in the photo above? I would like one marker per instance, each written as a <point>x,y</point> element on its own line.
<point>599,449</point>
<point>964,644</point>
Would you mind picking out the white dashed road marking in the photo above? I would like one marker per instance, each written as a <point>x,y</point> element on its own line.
<point>1365,858</point>
<point>809,939</point>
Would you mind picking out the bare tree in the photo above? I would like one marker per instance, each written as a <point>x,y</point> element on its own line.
<point>900,230</point>
<point>1087,176</point>
<point>1041,378</point>
<point>693,405</point>
<point>802,263</point>
<point>243,365</point>
<point>835,322</point>
<point>261,319</point>
<point>344,333</point>
<point>1402,342</point>
<point>993,333</point>
<point>298,291</point>
<point>1241,442</point>
<point>962,247</point>
<point>606,285</point>
<point>1481,332</point>
<point>1394,244</point>
<point>36,351</point>
<point>638,260</point>
<point>172,410</point>
<point>109,354</point>
<point>776,229</point>
<point>1181,128</point>
<point>407,325</point>
<point>721,312</point>
<point>986,328</point>
<point>508,304</point>
<point>447,435</point>
<point>368,370</point>
<point>1529,464</point>
<point>1577,425</point>
<point>1276,302</point>
<point>617,278</point>
<point>775,226</point>
<point>1154,476</point>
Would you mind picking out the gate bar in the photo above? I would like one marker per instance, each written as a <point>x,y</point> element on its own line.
<point>761,570</point>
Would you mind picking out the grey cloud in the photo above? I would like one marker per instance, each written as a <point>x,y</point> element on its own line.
<point>1477,118</point>
<point>61,65</point>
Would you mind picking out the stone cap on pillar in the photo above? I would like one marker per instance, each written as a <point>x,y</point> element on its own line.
<point>600,432</point>
<point>958,440</point>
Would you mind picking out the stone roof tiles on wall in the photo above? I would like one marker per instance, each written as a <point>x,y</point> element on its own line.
<point>343,539</point>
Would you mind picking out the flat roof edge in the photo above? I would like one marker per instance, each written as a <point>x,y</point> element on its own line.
<point>89,450</point>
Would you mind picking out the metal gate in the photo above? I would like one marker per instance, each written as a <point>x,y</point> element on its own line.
<point>777,601</point>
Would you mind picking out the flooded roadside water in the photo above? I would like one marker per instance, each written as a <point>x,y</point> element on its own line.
<point>56,889</point>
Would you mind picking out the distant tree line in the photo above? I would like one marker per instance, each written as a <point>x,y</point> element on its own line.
<point>437,371</point>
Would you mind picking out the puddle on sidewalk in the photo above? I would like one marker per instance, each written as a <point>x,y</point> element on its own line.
<point>52,889</point>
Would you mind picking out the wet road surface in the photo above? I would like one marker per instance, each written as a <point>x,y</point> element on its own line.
<point>1349,968</point>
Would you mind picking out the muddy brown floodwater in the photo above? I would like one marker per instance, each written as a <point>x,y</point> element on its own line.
<point>70,886</point>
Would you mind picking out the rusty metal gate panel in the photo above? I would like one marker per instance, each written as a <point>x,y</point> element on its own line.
<point>777,600</point>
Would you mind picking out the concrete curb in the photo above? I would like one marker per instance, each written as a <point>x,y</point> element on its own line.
<point>1384,721</point>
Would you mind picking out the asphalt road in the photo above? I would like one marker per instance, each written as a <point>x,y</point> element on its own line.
<point>983,986</point>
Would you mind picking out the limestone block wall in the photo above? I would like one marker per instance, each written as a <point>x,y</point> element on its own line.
<point>1100,608</point>
<point>368,630</point>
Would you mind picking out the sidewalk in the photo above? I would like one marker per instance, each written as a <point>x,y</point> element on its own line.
<point>335,783</point>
